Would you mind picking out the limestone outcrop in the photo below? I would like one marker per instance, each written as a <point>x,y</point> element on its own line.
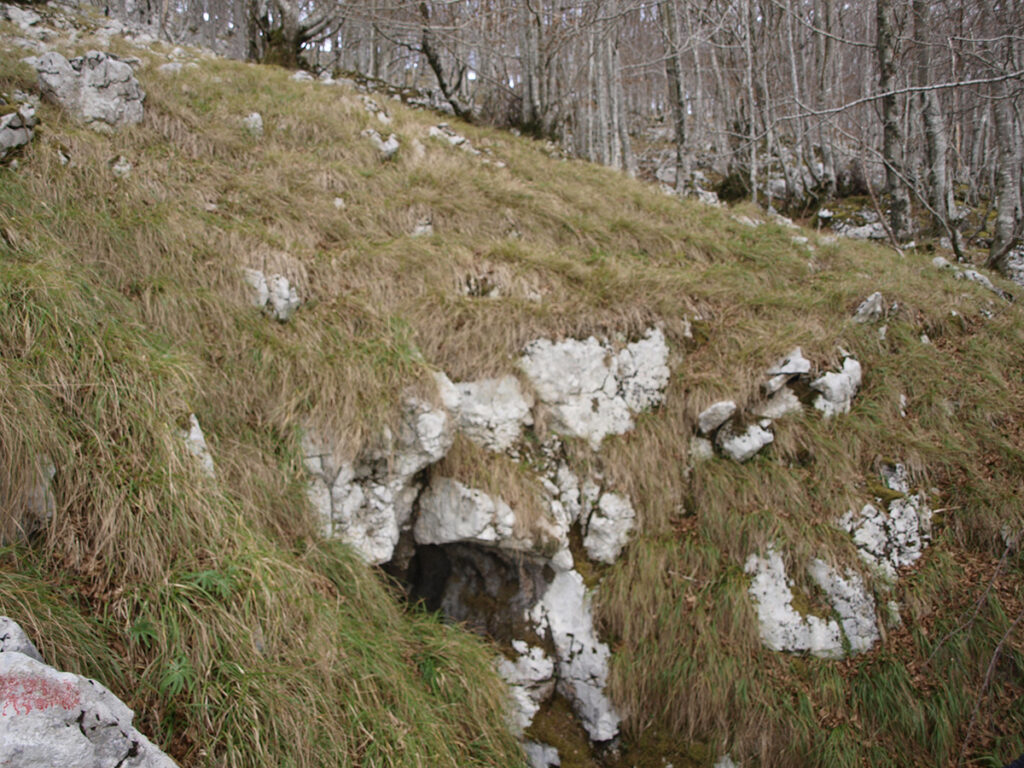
<point>784,628</point>
<point>894,535</point>
<point>590,390</point>
<point>51,718</point>
<point>564,613</point>
<point>98,88</point>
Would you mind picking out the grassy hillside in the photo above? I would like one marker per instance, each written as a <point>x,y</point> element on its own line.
<point>240,638</point>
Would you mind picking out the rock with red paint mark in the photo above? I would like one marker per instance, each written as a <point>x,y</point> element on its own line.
<point>50,718</point>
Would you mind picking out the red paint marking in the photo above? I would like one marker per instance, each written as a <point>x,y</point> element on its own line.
<point>21,694</point>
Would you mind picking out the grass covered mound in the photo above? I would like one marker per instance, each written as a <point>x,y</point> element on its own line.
<point>212,608</point>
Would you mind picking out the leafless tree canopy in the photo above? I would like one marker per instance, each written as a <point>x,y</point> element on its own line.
<point>791,102</point>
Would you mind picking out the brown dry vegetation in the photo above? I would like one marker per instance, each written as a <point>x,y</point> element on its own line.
<point>247,642</point>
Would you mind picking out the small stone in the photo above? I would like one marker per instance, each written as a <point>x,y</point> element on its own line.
<point>871,309</point>
<point>121,168</point>
<point>253,123</point>
<point>302,76</point>
<point>388,148</point>
<point>715,415</point>
<point>745,445</point>
<point>339,203</point>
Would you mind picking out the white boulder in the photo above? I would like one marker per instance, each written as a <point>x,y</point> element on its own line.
<point>715,415</point>
<point>541,755</point>
<point>837,388</point>
<point>782,403</point>
<point>386,147</point>
<point>451,511</point>
<point>785,368</point>
<point>17,129</point>
<point>14,640</point>
<point>368,502</point>
<point>253,123</point>
<point>98,88</point>
<point>741,446</point>
<point>531,680</point>
<point>273,294</point>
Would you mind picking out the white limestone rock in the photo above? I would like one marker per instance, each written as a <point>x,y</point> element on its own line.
<point>582,660</point>
<point>837,388</point>
<point>715,415</point>
<point>284,299</point>
<point>387,148</point>
<point>741,446</point>
<point>274,294</point>
<point>121,167</point>
<point>591,391</point>
<point>371,499</point>
<point>253,123</point>
<point>444,132</point>
<point>531,680</point>
<point>17,129</point>
<point>784,369</point>
<point>781,404</point>
<point>302,76</point>
<point>608,527</point>
<point>782,627</point>
<point>259,292</point>
<point>14,640</point>
<point>451,511</point>
<point>98,88</point>
<point>424,228</point>
<point>852,603</point>
<point>50,718</point>
<point>493,412</point>
<point>195,442</point>
<point>896,537</point>
<point>541,755</point>
<point>170,68</point>
<point>376,110</point>
<point>871,309</point>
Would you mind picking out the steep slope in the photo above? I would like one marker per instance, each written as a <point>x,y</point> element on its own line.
<point>210,602</point>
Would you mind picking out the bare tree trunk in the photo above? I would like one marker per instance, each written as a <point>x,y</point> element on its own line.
<point>1008,213</point>
<point>885,44</point>
<point>748,78</point>
<point>674,78</point>
<point>622,123</point>
<point>936,145</point>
